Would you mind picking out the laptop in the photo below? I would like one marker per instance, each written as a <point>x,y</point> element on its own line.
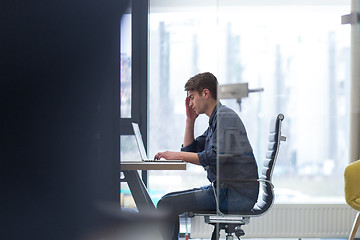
<point>141,147</point>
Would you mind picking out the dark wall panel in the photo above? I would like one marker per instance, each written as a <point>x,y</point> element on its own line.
<point>59,119</point>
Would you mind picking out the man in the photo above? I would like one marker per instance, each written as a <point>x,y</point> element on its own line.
<point>226,136</point>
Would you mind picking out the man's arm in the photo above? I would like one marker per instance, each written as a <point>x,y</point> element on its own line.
<point>189,132</point>
<point>191,116</point>
<point>189,157</point>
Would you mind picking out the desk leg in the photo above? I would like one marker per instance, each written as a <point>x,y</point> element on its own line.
<point>138,190</point>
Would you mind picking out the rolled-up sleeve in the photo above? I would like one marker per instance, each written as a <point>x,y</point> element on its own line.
<point>208,157</point>
<point>197,145</point>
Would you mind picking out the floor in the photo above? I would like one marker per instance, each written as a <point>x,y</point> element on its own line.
<point>281,239</point>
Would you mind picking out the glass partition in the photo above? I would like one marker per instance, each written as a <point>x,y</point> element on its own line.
<point>237,173</point>
<point>303,65</point>
<point>298,53</point>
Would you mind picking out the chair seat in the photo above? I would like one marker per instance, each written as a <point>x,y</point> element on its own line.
<point>352,192</point>
<point>258,209</point>
<point>252,212</point>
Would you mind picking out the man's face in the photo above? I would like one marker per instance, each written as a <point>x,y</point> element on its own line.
<point>197,102</point>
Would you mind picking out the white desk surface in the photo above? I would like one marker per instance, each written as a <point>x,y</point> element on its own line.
<point>139,165</point>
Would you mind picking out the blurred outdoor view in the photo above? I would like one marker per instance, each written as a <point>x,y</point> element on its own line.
<point>299,54</point>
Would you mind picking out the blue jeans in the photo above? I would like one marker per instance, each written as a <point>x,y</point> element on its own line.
<point>197,200</point>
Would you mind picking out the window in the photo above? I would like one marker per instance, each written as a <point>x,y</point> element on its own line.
<point>125,67</point>
<point>300,56</point>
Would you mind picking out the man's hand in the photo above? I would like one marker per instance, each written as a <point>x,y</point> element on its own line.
<point>185,156</point>
<point>191,115</point>
<point>190,112</point>
<point>168,155</point>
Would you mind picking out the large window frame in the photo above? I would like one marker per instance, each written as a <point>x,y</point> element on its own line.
<point>139,73</point>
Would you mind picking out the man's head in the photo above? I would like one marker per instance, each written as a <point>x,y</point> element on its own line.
<point>201,90</point>
<point>203,81</point>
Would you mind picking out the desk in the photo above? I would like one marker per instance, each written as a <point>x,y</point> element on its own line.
<point>136,185</point>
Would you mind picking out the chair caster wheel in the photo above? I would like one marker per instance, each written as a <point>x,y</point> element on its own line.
<point>229,237</point>
<point>239,232</point>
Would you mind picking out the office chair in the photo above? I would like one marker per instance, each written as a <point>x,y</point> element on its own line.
<point>352,192</point>
<point>232,223</point>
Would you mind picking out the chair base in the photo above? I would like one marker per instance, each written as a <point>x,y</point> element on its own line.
<point>231,225</point>
<point>230,229</point>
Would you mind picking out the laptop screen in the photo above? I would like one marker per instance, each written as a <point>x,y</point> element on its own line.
<point>139,141</point>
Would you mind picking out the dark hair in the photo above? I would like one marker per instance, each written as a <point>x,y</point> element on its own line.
<point>201,81</point>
